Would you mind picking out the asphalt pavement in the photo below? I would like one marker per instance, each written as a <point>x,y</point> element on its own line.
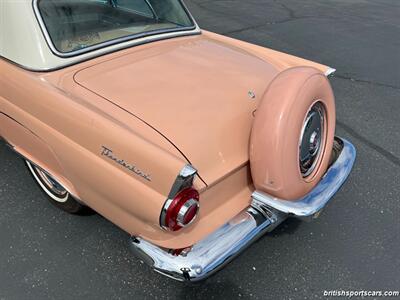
<point>355,244</point>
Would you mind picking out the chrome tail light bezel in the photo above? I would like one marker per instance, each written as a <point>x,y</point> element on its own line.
<point>183,181</point>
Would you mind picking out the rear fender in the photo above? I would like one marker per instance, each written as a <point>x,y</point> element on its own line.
<point>281,61</point>
<point>31,147</point>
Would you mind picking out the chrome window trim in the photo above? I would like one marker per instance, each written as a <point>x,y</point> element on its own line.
<point>134,39</point>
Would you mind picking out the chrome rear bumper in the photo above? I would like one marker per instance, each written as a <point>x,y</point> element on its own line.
<point>312,203</point>
<point>264,214</point>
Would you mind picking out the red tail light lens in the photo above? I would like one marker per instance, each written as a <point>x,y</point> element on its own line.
<point>181,211</point>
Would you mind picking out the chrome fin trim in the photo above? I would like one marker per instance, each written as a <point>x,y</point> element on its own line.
<point>183,180</point>
<point>330,72</point>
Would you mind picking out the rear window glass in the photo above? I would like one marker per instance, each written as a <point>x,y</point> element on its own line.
<point>84,24</point>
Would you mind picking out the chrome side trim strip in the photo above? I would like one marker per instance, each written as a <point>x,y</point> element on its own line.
<point>330,72</point>
<point>312,203</point>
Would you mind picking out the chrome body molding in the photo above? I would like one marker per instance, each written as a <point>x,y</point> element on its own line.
<point>330,72</point>
<point>313,202</point>
<point>263,215</point>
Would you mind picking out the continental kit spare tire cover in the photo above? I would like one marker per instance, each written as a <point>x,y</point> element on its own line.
<point>293,132</point>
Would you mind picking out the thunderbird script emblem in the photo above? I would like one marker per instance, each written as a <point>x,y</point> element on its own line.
<point>109,154</point>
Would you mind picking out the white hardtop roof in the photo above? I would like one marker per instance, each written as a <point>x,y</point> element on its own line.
<point>24,40</point>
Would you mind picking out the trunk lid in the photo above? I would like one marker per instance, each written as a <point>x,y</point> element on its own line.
<point>196,91</point>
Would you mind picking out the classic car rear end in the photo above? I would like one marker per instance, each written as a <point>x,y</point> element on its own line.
<point>194,143</point>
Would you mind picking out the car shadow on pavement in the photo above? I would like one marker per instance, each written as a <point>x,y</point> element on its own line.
<point>289,226</point>
<point>208,289</point>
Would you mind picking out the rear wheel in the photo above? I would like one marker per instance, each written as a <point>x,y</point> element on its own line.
<point>55,192</point>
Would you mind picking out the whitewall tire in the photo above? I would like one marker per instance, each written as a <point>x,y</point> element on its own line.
<point>54,191</point>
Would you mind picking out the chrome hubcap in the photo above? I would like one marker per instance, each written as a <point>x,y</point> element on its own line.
<point>51,183</point>
<point>48,184</point>
<point>312,139</point>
